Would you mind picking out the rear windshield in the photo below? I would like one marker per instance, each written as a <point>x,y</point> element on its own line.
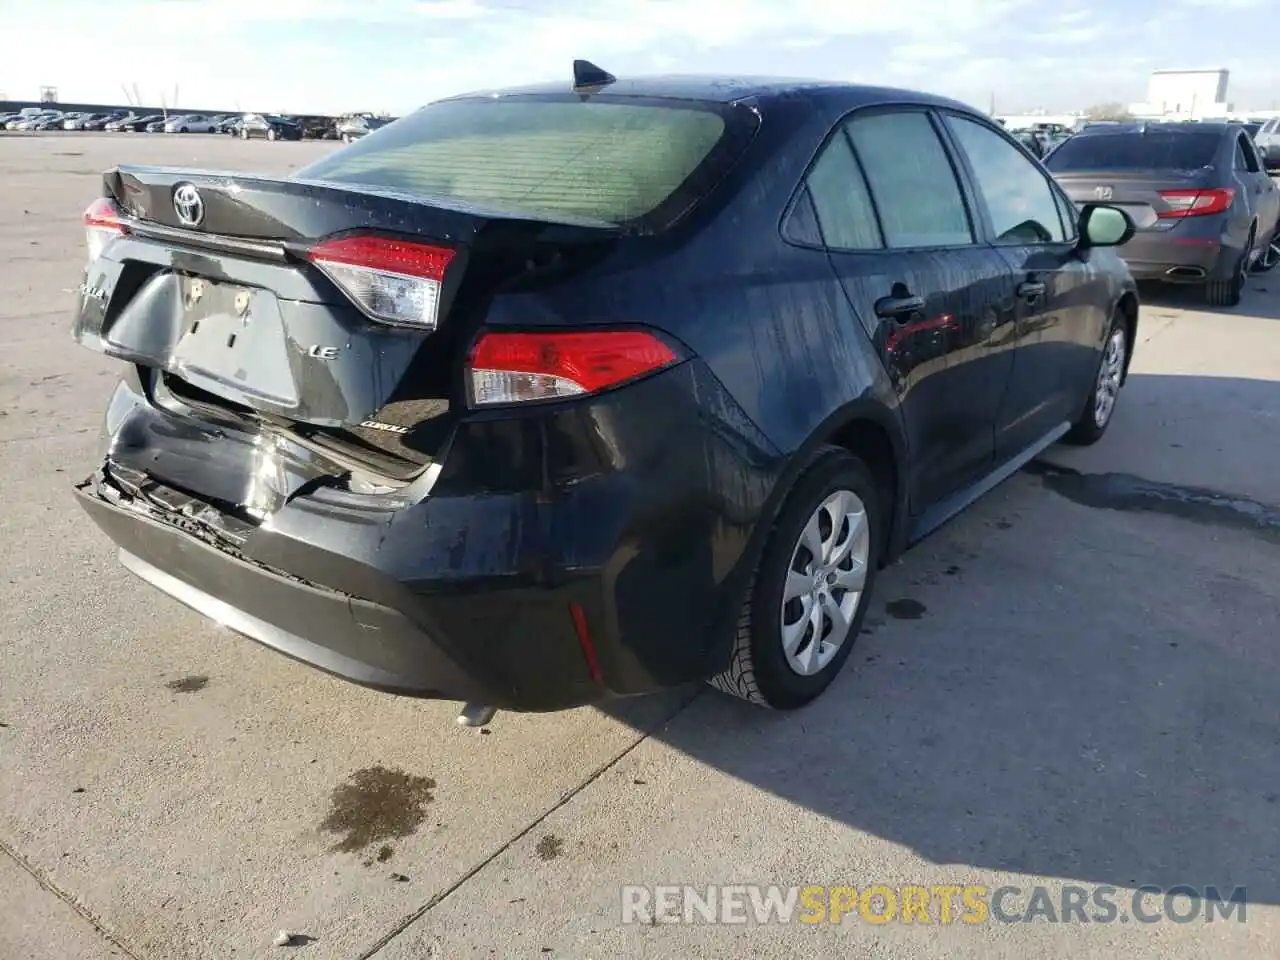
<point>625,162</point>
<point>1136,151</point>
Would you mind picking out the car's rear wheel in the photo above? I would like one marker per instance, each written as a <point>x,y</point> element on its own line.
<point>805,606</point>
<point>271,134</point>
<point>244,134</point>
<point>1101,405</point>
<point>1228,292</point>
<point>1271,255</point>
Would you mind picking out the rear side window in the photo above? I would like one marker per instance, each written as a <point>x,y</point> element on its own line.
<point>1246,159</point>
<point>625,161</point>
<point>841,201</point>
<point>1136,151</point>
<point>910,176</point>
<point>1241,162</point>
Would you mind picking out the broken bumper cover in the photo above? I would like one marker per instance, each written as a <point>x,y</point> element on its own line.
<point>626,518</point>
<point>365,642</point>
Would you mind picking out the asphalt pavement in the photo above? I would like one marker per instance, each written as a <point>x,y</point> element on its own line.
<point>1076,684</point>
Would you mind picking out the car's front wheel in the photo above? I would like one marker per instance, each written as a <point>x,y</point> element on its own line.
<point>1101,405</point>
<point>805,606</point>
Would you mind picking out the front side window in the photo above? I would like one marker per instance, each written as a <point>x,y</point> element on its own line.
<point>911,178</point>
<point>1070,215</point>
<point>1022,205</point>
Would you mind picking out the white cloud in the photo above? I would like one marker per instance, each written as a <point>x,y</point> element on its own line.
<point>349,54</point>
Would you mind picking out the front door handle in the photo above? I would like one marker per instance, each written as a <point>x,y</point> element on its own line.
<point>1031,289</point>
<point>898,308</point>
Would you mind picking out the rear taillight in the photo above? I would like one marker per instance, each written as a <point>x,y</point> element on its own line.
<point>102,224</point>
<point>515,367</point>
<point>396,281</point>
<point>1195,203</point>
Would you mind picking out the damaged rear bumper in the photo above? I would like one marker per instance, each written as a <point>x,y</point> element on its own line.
<point>365,642</point>
<point>576,553</point>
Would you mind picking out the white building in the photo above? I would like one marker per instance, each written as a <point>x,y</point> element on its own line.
<point>1185,95</point>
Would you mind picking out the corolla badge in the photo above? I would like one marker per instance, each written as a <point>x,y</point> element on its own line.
<point>188,204</point>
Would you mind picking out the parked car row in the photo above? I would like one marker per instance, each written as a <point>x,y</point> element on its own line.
<point>34,119</point>
<point>247,126</point>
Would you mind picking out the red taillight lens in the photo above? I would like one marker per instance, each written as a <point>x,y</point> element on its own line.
<point>1195,203</point>
<point>396,281</point>
<point>102,224</point>
<point>515,367</point>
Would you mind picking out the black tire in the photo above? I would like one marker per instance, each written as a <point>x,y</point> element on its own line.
<point>1270,257</point>
<point>1087,429</point>
<point>1229,292</point>
<point>758,670</point>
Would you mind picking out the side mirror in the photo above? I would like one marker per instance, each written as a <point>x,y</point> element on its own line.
<point>1104,226</point>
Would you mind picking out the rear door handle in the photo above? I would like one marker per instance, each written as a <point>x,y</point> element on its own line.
<point>1031,289</point>
<point>898,309</point>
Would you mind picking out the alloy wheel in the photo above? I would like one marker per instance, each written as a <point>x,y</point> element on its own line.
<point>824,582</point>
<point>1270,256</point>
<point>1110,372</point>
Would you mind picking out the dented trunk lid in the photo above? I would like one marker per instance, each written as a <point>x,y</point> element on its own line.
<point>228,319</point>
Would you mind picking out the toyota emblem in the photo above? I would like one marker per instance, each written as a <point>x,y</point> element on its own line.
<point>188,205</point>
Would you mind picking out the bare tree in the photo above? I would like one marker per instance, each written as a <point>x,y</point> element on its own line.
<point>1108,111</point>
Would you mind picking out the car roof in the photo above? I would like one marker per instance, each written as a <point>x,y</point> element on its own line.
<point>729,89</point>
<point>1111,129</point>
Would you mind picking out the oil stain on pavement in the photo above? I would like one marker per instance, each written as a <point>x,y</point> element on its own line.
<point>549,847</point>
<point>905,609</point>
<point>188,684</point>
<point>377,804</point>
<point>1122,491</point>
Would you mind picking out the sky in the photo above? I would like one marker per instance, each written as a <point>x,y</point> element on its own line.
<point>333,56</point>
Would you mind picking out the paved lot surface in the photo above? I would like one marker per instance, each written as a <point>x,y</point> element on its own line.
<point>1085,689</point>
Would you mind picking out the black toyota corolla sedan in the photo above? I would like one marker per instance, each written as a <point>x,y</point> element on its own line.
<point>543,396</point>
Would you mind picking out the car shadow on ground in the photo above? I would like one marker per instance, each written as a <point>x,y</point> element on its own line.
<point>1089,691</point>
<point>1255,303</point>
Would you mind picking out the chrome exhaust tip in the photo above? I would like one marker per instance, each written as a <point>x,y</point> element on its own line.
<point>476,715</point>
<point>1185,273</point>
